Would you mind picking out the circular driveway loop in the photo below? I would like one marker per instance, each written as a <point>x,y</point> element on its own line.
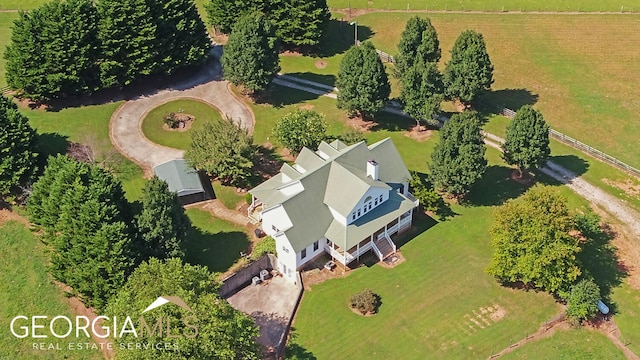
<point>125,127</point>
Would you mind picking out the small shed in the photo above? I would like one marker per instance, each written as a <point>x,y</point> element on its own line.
<point>182,179</point>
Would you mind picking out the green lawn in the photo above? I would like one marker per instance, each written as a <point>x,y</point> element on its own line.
<point>602,175</point>
<point>152,123</point>
<point>488,5</point>
<point>214,243</point>
<point>575,344</point>
<point>27,289</point>
<point>627,308</point>
<point>6,20</point>
<point>227,194</point>
<point>89,125</point>
<point>21,4</point>
<point>541,59</point>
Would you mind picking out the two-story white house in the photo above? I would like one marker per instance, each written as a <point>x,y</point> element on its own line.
<point>342,200</point>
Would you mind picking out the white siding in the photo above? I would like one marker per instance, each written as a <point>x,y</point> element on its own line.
<point>275,219</point>
<point>286,257</point>
<point>310,253</point>
<point>375,194</point>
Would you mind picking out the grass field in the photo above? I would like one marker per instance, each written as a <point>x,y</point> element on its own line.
<point>214,243</point>
<point>488,5</point>
<point>89,125</point>
<point>27,289</point>
<point>576,344</point>
<point>152,123</point>
<point>584,89</point>
<point>627,303</point>
<point>227,194</point>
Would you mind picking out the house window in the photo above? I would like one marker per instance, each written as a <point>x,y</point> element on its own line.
<point>353,216</point>
<point>380,198</point>
<point>284,268</point>
<point>358,212</point>
<point>315,246</point>
<point>274,228</point>
<point>364,209</point>
<point>285,249</point>
<point>303,254</point>
<point>369,206</point>
<point>376,202</point>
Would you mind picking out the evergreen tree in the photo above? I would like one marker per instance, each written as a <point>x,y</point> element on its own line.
<point>222,331</point>
<point>223,14</point>
<point>362,82</point>
<point>469,72</point>
<point>422,92</point>
<point>527,140</point>
<point>418,43</point>
<point>84,213</point>
<point>54,50</point>
<point>300,22</point>
<point>127,32</point>
<point>250,57</point>
<point>224,149</point>
<point>17,146</point>
<point>532,243</point>
<point>458,160</point>
<point>301,128</point>
<point>181,35</point>
<point>162,225</point>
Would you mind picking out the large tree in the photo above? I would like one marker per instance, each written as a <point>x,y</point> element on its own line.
<point>469,72</point>
<point>223,14</point>
<point>458,161</point>
<point>54,50</point>
<point>18,162</point>
<point>301,128</point>
<point>128,37</point>
<point>418,43</point>
<point>532,241</point>
<point>162,224</point>
<point>222,332</point>
<point>84,213</point>
<point>300,22</point>
<point>362,82</point>
<point>527,142</point>
<point>181,35</point>
<point>250,57</point>
<point>422,92</point>
<point>224,149</point>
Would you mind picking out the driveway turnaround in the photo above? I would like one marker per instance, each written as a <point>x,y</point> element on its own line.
<point>125,127</point>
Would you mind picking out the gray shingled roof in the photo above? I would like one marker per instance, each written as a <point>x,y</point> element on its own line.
<point>182,179</point>
<point>339,182</point>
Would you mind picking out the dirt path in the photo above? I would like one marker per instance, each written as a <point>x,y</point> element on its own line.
<point>610,329</point>
<point>125,127</point>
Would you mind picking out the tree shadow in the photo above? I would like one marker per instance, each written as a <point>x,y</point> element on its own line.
<point>52,144</point>
<point>496,186</point>
<point>216,251</point>
<point>272,327</point>
<point>295,350</point>
<point>339,37</point>
<point>599,259</point>
<point>329,80</point>
<point>392,122</point>
<point>266,165</point>
<point>280,96</point>
<point>512,99</point>
<point>573,163</point>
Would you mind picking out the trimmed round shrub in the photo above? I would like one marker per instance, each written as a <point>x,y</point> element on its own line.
<point>366,302</point>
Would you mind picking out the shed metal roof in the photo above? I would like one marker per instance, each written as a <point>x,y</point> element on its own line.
<point>182,179</point>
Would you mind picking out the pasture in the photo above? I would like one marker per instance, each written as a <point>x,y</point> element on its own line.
<point>490,5</point>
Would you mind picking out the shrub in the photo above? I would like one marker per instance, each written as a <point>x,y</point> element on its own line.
<point>366,302</point>
<point>171,120</point>
<point>582,300</point>
<point>266,246</point>
<point>248,198</point>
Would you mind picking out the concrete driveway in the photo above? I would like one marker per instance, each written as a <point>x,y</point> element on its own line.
<point>125,128</point>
